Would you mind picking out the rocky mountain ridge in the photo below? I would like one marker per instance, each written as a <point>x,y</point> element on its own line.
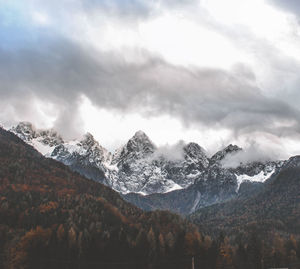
<point>275,205</point>
<point>144,175</point>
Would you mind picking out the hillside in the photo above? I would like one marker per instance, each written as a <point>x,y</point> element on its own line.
<point>52,217</point>
<point>180,178</point>
<point>273,207</point>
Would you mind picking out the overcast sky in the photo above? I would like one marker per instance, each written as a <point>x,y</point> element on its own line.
<point>210,71</point>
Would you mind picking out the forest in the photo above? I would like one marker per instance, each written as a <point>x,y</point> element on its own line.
<point>51,217</point>
<point>273,208</point>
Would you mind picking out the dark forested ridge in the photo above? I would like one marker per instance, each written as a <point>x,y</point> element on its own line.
<point>275,207</point>
<point>51,217</point>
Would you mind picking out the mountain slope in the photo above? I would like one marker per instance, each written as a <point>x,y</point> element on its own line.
<point>146,175</point>
<point>51,217</point>
<point>86,157</point>
<point>276,206</point>
<point>144,169</point>
<point>135,167</point>
<point>215,185</point>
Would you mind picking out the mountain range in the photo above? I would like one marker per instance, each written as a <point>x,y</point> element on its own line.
<point>147,177</point>
<point>274,206</point>
<point>53,217</point>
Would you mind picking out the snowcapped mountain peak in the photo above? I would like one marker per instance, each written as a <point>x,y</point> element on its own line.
<point>196,154</point>
<point>193,147</point>
<point>25,125</point>
<point>88,136</point>
<point>140,142</point>
<point>140,138</point>
<point>43,140</point>
<point>137,148</point>
<point>49,137</point>
<point>232,148</point>
<point>140,134</point>
<point>141,167</point>
<point>88,141</point>
<point>220,155</point>
<point>25,130</point>
<point>87,148</point>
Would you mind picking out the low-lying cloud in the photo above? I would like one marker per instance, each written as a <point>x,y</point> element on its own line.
<point>254,152</point>
<point>42,65</point>
<point>61,72</point>
<point>170,152</point>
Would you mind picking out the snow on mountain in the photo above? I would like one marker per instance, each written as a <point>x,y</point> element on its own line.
<point>138,147</point>
<point>87,148</point>
<point>220,155</point>
<point>194,154</point>
<point>262,176</point>
<point>141,167</point>
<point>43,141</point>
<point>41,147</point>
<point>132,168</point>
<point>25,131</point>
<point>86,156</point>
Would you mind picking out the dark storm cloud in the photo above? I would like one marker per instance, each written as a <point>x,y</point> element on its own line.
<point>61,72</point>
<point>292,6</point>
<point>120,9</point>
<point>137,7</point>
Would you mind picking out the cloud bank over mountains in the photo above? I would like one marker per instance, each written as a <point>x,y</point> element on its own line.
<point>208,96</point>
<point>46,70</point>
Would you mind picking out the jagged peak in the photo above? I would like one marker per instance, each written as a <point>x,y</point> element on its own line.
<point>231,148</point>
<point>138,147</point>
<point>25,130</point>
<point>194,146</point>
<point>25,126</point>
<point>220,155</point>
<point>196,153</point>
<point>25,123</point>
<point>89,143</point>
<point>139,140</point>
<point>88,140</point>
<point>88,136</point>
<point>140,135</point>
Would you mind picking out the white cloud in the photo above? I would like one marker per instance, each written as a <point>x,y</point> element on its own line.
<point>171,152</point>
<point>40,18</point>
<point>199,70</point>
<point>247,156</point>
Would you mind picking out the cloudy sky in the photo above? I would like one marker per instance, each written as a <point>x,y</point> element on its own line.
<point>210,71</point>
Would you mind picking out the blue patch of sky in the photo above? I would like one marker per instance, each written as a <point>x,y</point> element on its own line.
<point>16,26</point>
